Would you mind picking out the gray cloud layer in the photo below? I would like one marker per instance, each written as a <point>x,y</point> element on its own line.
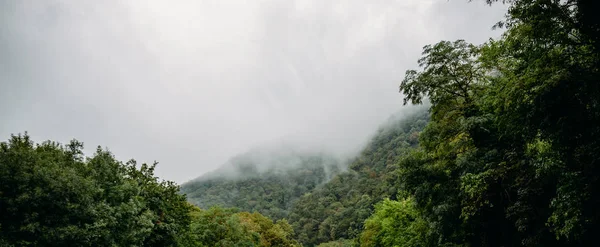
<point>191,83</point>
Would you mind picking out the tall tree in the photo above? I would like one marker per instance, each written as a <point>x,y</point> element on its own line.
<point>510,155</point>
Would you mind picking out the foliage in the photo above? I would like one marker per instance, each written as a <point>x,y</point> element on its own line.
<point>228,227</point>
<point>52,196</point>
<point>339,243</point>
<point>509,156</point>
<point>394,223</point>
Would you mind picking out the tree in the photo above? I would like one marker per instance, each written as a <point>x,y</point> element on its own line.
<point>227,227</point>
<point>395,223</point>
<point>517,145</point>
<point>550,97</point>
<point>51,195</point>
<point>451,74</point>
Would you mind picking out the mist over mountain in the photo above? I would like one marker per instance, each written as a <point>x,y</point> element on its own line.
<point>268,181</point>
<point>271,179</point>
<point>276,158</point>
<point>289,153</point>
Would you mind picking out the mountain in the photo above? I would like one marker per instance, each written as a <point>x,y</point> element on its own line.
<point>338,209</point>
<point>322,197</point>
<point>267,180</point>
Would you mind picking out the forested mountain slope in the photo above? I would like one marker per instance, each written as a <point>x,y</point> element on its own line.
<point>268,181</point>
<point>321,199</point>
<point>338,208</point>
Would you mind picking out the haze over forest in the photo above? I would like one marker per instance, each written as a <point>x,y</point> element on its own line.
<point>193,83</point>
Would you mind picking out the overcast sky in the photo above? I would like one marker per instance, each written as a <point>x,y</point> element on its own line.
<point>190,83</point>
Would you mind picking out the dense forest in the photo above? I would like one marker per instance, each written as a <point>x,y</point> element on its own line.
<point>337,209</point>
<point>506,155</point>
<point>265,181</point>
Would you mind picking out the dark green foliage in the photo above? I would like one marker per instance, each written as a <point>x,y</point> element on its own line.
<point>509,158</point>
<point>267,185</point>
<point>50,195</point>
<point>338,208</point>
<point>552,81</point>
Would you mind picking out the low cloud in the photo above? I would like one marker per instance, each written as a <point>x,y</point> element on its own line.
<point>193,83</point>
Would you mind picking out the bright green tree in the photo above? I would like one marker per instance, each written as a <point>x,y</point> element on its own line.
<point>395,223</point>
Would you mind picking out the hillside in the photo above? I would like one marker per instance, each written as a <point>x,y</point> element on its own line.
<point>322,200</point>
<point>265,180</point>
<point>338,208</point>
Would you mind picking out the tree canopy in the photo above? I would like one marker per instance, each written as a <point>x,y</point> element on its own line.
<point>509,158</point>
<point>51,195</point>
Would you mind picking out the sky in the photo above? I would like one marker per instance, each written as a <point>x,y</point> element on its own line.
<point>191,83</point>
